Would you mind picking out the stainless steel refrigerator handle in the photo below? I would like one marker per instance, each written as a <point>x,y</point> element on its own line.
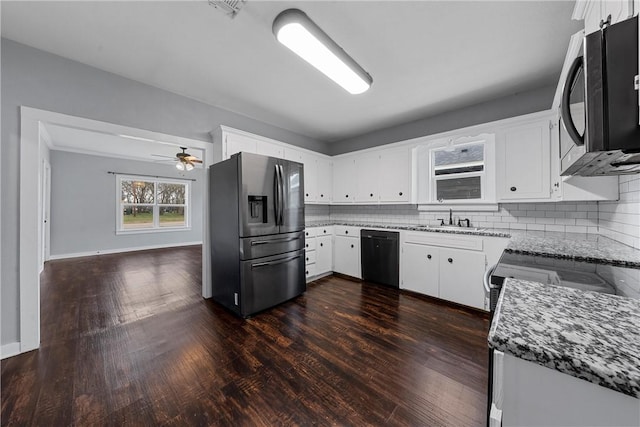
<point>276,194</point>
<point>280,261</point>
<point>264,242</point>
<point>281,194</point>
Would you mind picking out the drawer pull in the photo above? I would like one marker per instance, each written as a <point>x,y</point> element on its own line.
<point>450,260</point>
<point>351,245</point>
<point>346,231</point>
<point>400,193</point>
<point>371,195</point>
<point>513,188</point>
<point>321,245</point>
<point>429,256</point>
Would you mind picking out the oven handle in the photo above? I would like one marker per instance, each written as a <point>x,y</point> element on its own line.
<point>566,100</point>
<point>487,277</point>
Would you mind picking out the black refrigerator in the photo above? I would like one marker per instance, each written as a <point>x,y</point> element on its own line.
<point>257,232</point>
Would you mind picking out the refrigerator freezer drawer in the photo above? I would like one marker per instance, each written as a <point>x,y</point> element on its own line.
<point>270,281</point>
<point>263,246</point>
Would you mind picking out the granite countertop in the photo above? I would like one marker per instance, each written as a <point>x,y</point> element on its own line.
<point>578,246</point>
<point>413,227</point>
<point>588,335</point>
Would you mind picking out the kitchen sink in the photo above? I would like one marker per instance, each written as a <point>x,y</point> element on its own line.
<point>452,228</point>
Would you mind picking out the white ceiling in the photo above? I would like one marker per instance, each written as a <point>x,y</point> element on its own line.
<point>65,138</point>
<point>425,57</point>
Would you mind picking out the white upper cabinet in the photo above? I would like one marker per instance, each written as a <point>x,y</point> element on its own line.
<point>235,143</point>
<point>310,178</point>
<point>367,173</point>
<point>523,161</point>
<point>596,11</point>
<point>344,180</point>
<point>325,181</point>
<point>270,149</point>
<point>395,175</point>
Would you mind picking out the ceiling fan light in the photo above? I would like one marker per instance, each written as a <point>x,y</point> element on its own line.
<point>295,30</point>
<point>188,166</point>
<point>179,165</point>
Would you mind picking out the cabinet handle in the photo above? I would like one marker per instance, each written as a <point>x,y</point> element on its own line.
<point>306,245</point>
<point>346,231</point>
<point>322,195</point>
<point>307,258</point>
<point>307,272</point>
<point>307,194</point>
<point>324,231</point>
<point>347,196</point>
<point>450,260</point>
<point>513,188</point>
<point>371,195</point>
<point>321,245</point>
<point>429,256</point>
<point>400,193</point>
<point>351,245</point>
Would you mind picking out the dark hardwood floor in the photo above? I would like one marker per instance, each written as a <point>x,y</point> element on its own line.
<point>128,340</point>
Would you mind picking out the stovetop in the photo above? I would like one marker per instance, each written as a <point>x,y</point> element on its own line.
<point>583,275</point>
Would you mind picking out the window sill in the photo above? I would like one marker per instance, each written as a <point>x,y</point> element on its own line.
<point>152,230</point>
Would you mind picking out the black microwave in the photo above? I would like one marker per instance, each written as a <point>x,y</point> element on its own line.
<point>599,107</point>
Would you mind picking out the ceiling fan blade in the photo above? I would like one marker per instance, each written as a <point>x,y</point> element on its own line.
<point>193,159</point>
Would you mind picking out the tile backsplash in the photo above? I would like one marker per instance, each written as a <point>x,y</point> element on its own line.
<point>621,220</point>
<point>564,216</point>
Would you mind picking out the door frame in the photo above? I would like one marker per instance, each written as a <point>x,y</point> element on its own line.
<point>32,146</point>
<point>45,208</point>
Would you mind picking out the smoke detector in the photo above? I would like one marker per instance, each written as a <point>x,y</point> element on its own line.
<point>229,7</point>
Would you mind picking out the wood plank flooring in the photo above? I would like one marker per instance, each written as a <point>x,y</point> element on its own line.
<point>128,340</point>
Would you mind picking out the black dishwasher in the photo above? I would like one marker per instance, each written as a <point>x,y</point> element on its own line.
<point>380,255</point>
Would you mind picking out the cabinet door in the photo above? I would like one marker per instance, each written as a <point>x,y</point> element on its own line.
<point>461,275</point>
<point>269,149</point>
<point>324,190</point>
<point>523,162</point>
<point>324,254</point>
<point>344,180</point>
<point>367,173</point>
<point>346,256</point>
<point>310,177</point>
<point>238,143</point>
<point>420,269</point>
<point>395,176</point>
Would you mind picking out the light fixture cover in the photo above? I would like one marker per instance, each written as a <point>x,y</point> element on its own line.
<point>188,166</point>
<point>295,30</point>
<point>179,165</point>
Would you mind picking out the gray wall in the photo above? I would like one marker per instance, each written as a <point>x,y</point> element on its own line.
<point>37,79</point>
<point>83,198</point>
<point>509,106</point>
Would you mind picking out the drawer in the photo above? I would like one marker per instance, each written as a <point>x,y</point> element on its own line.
<point>310,232</point>
<point>310,244</point>
<point>310,257</point>
<point>447,240</point>
<point>310,270</point>
<point>346,230</point>
<point>325,231</point>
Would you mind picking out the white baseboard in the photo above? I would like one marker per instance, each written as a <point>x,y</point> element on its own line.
<point>8,350</point>
<point>121,250</point>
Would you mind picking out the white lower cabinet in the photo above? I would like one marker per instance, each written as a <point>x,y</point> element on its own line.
<point>420,269</point>
<point>346,256</point>
<point>324,254</point>
<point>446,266</point>
<point>461,274</point>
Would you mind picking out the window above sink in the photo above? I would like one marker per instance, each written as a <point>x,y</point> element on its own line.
<point>457,171</point>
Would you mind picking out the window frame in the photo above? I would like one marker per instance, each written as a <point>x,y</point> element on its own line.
<point>155,228</point>
<point>434,178</point>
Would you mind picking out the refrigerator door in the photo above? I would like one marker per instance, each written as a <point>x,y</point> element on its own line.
<point>258,191</point>
<point>293,197</point>
<point>269,281</point>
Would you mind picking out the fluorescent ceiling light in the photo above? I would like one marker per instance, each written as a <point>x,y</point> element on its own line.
<point>295,30</point>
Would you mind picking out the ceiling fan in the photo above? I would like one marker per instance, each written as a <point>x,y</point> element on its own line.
<point>184,160</point>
